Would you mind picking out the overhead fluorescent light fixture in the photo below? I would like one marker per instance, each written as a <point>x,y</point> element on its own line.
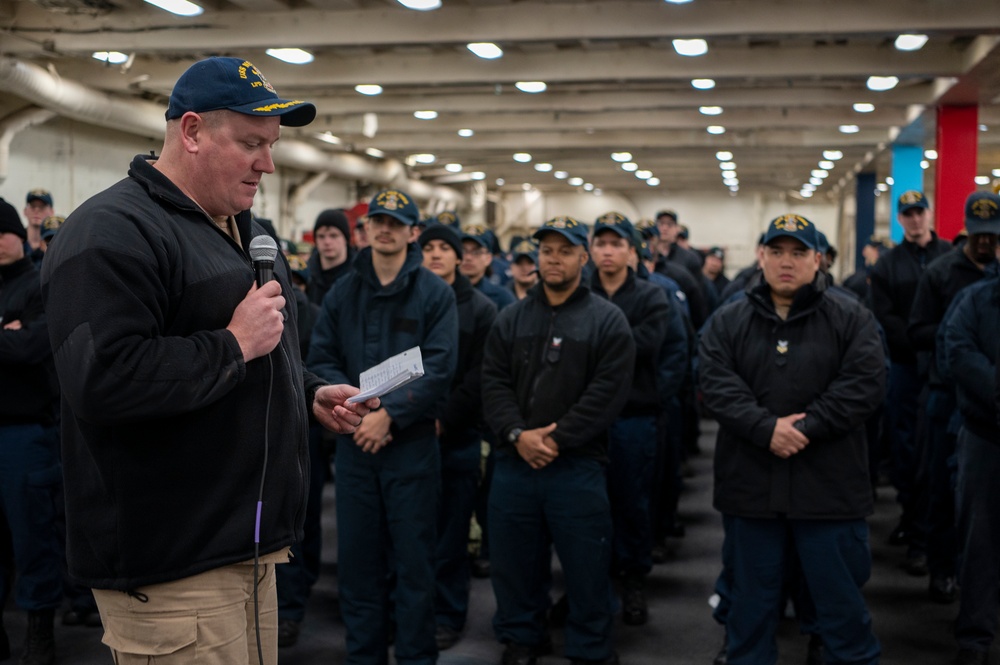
<point>825,164</point>
<point>727,165</point>
<point>485,50</point>
<point>621,156</point>
<point>724,155</point>
<point>327,137</point>
<point>910,42</point>
<point>522,157</point>
<point>420,5</point>
<point>532,87</point>
<point>425,115</point>
<point>643,174</point>
<point>630,167</point>
<point>453,167</point>
<point>864,107</point>
<point>690,47</point>
<point>369,89</point>
<point>478,175</point>
<point>500,182</point>
<point>374,152</point>
<point>653,182</point>
<point>561,175</point>
<point>924,164</point>
<point>882,187</point>
<point>710,110</point>
<point>588,186</point>
<point>715,129</point>
<point>178,7</point>
<point>819,173</point>
<point>293,56</point>
<point>930,153</point>
<point>543,167</point>
<point>576,182</point>
<point>806,194</point>
<point>421,158</point>
<point>110,57</point>
<point>678,2</point>
<point>465,133</point>
<point>996,172</point>
<point>703,84</point>
<point>809,187</point>
<point>731,182</point>
<point>729,174</point>
<point>882,83</point>
<point>849,129</point>
<point>982,180</point>
<point>889,180</point>
<point>815,182</point>
<point>833,154</point>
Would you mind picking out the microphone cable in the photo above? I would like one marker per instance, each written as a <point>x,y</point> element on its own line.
<point>260,504</point>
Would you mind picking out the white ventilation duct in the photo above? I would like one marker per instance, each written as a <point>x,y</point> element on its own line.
<point>12,125</point>
<point>76,101</point>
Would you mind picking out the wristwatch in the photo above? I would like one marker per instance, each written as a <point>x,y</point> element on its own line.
<point>513,435</point>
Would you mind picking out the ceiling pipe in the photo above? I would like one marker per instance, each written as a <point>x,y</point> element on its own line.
<point>12,125</point>
<point>79,102</point>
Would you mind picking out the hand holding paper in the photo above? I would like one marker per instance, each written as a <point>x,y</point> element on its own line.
<point>390,374</point>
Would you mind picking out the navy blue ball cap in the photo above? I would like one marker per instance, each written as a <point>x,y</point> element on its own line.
<point>912,199</point>
<point>398,205</point>
<point>237,85</point>
<point>793,226</point>
<point>42,195</point>
<point>982,213</point>
<point>525,249</point>
<point>614,221</point>
<point>479,234</point>
<point>567,227</point>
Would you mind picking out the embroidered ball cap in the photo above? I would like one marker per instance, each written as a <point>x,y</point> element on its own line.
<point>42,195</point>
<point>10,221</point>
<point>567,227</point>
<point>525,248</point>
<point>647,228</point>
<point>793,226</point>
<point>479,234</point>
<point>50,225</point>
<point>912,199</point>
<point>614,221</point>
<point>448,218</point>
<point>982,213</point>
<point>237,85</point>
<point>718,253</point>
<point>396,204</point>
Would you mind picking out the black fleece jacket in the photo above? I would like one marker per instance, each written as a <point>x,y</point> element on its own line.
<point>462,411</point>
<point>28,387</point>
<point>165,427</point>
<point>645,306</point>
<point>571,365</point>
<point>824,360</point>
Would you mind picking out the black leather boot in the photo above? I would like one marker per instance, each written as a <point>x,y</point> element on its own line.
<point>39,643</point>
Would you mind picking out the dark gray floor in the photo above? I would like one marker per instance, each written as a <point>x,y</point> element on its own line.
<point>680,631</point>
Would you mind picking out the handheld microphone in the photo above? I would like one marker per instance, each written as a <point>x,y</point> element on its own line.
<point>263,251</point>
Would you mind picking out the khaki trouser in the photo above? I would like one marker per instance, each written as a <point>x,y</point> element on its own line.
<point>204,619</point>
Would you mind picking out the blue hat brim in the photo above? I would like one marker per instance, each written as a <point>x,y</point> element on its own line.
<point>624,233</point>
<point>976,226</point>
<point>572,237</point>
<point>788,234</point>
<point>293,113</point>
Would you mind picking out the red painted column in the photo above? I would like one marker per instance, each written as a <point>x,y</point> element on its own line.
<point>955,172</point>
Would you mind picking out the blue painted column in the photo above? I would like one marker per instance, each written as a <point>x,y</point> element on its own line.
<point>906,175</point>
<point>864,216</point>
